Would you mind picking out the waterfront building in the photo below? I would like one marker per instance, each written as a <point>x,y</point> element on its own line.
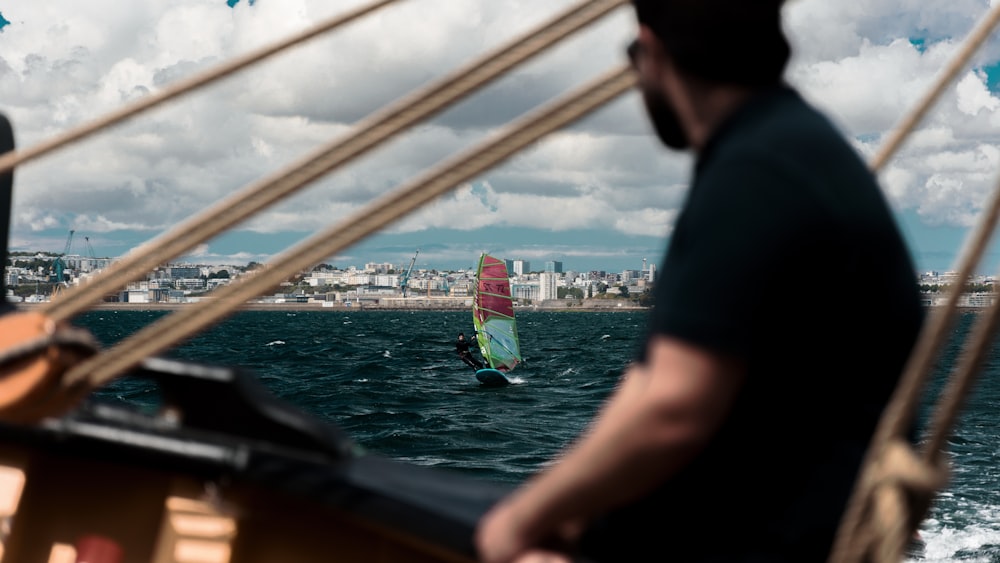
<point>528,291</point>
<point>319,279</point>
<point>521,267</point>
<point>547,286</point>
<point>180,272</point>
<point>554,266</point>
<point>137,292</point>
<point>629,276</point>
<point>355,278</point>
<point>970,300</point>
<point>460,288</point>
<point>380,268</point>
<point>189,283</point>
<point>386,280</point>
<point>977,300</point>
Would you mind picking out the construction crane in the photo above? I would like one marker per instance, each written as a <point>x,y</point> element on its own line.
<point>91,258</point>
<point>403,281</point>
<point>90,249</point>
<point>59,265</point>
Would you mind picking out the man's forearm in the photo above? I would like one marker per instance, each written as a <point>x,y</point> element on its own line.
<point>660,417</point>
<point>629,450</point>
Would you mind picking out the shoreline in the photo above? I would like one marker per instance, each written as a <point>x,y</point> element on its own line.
<point>341,308</point>
<point>594,306</point>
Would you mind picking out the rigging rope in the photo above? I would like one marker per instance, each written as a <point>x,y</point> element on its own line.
<point>368,134</point>
<point>386,209</point>
<point>891,484</point>
<point>16,158</point>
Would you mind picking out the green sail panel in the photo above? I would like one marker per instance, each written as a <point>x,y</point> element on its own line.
<point>493,315</point>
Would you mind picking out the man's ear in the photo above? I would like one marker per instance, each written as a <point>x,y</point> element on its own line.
<point>652,57</point>
<point>650,45</point>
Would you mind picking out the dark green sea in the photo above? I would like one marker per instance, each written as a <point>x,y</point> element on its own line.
<point>392,381</point>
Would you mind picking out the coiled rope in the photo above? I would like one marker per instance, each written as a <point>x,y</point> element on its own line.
<point>895,485</point>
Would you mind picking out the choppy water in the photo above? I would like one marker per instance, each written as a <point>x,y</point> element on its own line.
<point>392,381</point>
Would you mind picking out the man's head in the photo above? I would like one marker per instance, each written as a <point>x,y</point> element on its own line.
<point>461,336</point>
<point>711,46</point>
<point>737,42</point>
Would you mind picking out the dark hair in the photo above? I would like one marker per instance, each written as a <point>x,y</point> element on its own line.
<point>726,41</point>
<point>461,334</point>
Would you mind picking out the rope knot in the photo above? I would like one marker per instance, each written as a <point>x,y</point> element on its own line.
<point>903,486</point>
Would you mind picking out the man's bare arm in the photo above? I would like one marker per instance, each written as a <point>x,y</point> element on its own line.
<point>660,417</point>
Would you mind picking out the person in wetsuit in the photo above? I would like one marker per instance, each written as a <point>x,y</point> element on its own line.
<point>462,347</point>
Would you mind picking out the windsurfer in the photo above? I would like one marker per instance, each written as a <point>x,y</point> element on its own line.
<point>462,346</point>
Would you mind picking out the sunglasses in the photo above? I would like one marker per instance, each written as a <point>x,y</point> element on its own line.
<point>632,51</point>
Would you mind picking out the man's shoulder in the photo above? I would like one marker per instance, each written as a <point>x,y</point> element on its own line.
<point>781,119</point>
<point>780,135</point>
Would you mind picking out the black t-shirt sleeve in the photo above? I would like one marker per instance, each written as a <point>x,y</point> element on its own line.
<point>741,233</point>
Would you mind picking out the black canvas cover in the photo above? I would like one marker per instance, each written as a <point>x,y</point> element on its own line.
<point>6,189</point>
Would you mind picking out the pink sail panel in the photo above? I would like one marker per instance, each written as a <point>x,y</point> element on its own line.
<point>494,289</point>
<point>493,315</point>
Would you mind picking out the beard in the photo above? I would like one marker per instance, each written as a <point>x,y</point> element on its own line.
<point>665,121</point>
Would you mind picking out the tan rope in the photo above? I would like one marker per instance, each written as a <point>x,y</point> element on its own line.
<point>372,131</point>
<point>903,491</point>
<point>971,44</point>
<point>180,325</point>
<point>16,158</point>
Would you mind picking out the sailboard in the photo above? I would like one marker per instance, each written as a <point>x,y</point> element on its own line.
<point>493,318</point>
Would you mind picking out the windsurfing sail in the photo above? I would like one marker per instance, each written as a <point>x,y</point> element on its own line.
<point>493,315</point>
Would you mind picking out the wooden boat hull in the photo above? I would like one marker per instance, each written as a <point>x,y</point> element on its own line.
<point>288,488</point>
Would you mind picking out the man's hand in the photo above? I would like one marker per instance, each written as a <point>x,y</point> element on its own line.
<point>502,538</point>
<point>498,538</point>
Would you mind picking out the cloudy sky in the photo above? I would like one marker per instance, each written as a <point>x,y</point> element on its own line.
<point>600,195</point>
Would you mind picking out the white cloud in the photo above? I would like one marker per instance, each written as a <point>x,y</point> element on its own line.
<point>64,62</point>
<point>871,63</point>
<point>973,95</point>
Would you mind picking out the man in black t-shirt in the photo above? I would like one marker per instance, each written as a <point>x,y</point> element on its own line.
<point>738,433</point>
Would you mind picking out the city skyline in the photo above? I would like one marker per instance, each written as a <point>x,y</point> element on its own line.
<point>601,192</point>
<point>558,266</point>
<point>527,267</point>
